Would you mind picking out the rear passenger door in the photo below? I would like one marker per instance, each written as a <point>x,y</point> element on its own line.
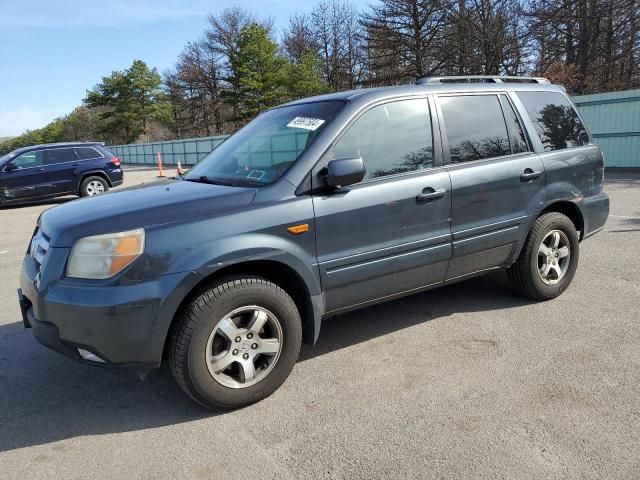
<point>497,181</point>
<point>388,234</point>
<point>60,164</point>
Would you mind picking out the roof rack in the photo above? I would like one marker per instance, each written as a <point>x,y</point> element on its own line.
<point>481,79</point>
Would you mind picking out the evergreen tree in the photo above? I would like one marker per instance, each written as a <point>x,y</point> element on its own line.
<point>257,71</point>
<point>127,101</point>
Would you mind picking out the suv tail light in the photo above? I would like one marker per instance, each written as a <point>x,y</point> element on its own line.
<point>115,161</point>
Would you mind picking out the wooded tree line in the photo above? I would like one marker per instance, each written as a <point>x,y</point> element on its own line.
<point>241,65</point>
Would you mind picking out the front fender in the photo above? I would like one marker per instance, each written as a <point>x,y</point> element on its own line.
<point>207,244</point>
<point>252,247</point>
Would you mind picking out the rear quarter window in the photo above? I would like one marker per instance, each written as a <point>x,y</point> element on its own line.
<point>86,153</point>
<point>556,121</point>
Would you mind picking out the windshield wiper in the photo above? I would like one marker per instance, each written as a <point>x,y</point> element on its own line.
<point>210,181</point>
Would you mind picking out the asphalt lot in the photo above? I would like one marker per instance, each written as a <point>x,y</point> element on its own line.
<point>467,381</point>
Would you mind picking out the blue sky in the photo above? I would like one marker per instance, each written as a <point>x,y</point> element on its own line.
<point>52,51</point>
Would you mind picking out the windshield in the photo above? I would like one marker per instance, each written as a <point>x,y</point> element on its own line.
<point>263,150</point>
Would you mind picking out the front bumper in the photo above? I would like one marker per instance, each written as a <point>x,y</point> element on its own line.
<point>122,322</point>
<point>46,333</point>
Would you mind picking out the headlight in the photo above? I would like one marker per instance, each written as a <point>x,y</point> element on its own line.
<point>102,256</point>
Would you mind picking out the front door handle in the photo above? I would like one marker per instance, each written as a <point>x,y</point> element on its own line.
<point>429,194</point>
<point>528,175</point>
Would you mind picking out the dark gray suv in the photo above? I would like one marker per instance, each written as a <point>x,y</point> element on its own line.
<point>315,208</point>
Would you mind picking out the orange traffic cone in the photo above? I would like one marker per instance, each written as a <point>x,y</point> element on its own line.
<point>179,169</point>
<point>160,172</point>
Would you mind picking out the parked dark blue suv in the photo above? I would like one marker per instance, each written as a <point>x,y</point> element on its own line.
<point>57,169</point>
<point>315,208</point>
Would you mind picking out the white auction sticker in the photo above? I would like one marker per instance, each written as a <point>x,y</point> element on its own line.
<point>307,123</point>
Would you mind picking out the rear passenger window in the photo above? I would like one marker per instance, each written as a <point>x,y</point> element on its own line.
<point>391,138</point>
<point>475,127</point>
<point>85,153</point>
<point>555,119</point>
<point>516,133</point>
<point>59,155</point>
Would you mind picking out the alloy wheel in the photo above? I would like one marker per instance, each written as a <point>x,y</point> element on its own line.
<point>554,257</point>
<point>244,347</point>
<point>95,188</point>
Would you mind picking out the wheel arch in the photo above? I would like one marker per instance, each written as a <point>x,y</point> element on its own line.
<point>92,173</point>
<point>275,271</point>
<point>566,207</point>
<point>569,209</point>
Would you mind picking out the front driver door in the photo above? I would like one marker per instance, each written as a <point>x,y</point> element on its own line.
<point>389,234</point>
<point>23,177</point>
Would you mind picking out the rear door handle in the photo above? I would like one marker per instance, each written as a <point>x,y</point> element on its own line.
<point>529,175</point>
<point>429,194</point>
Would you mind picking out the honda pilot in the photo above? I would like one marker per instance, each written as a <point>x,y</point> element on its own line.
<point>57,169</point>
<point>317,207</point>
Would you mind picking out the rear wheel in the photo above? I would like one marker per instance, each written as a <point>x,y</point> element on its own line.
<point>548,260</point>
<point>92,186</point>
<point>235,343</point>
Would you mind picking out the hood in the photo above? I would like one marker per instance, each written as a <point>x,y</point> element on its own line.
<point>141,206</point>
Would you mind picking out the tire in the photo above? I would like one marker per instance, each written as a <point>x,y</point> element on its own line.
<point>93,185</point>
<point>534,274</point>
<point>203,340</point>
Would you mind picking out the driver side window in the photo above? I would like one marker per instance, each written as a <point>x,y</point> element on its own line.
<point>391,138</point>
<point>28,160</point>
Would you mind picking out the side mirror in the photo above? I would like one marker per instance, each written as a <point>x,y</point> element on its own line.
<point>345,171</point>
<point>12,167</point>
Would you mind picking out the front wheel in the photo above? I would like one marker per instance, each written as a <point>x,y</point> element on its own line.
<point>236,342</point>
<point>548,260</point>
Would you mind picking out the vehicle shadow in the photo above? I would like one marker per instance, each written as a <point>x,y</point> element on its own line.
<point>476,295</point>
<point>629,224</point>
<point>36,203</point>
<point>45,397</point>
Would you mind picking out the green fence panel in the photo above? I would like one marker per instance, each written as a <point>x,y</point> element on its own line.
<point>188,151</point>
<point>613,119</point>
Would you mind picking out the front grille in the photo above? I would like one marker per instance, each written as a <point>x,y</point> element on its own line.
<point>39,247</point>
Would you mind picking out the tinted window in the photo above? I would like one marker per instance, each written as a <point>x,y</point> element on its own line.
<point>59,155</point>
<point>516,133</point>
<point>556,121</point>
<point>475,127</point>
<point>391,138</point>
<point>85,153</point>
<point>28,160</point>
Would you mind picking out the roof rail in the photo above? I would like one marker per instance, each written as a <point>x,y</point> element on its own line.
<point>481,79</point>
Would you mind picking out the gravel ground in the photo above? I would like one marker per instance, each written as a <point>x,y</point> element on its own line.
<point>467,381</point>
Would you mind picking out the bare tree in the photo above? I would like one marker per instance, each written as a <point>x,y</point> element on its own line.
<point>486,37</point>
<point>598,38</point>
<point>416,30</point>
<point>298,38</point>
<point>337,34</point>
